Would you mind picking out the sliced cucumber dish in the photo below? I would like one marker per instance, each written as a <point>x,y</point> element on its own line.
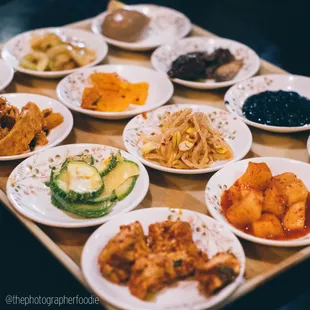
<point>90,189</point>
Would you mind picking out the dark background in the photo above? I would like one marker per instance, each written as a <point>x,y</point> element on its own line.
<point>277,30</point>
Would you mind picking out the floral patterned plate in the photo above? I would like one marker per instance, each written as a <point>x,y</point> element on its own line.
<point>224,178</point>
<point>235,132</point>
<point>19,46</point>
<point>6,74</point>
<point>30,196</point>
<point>209,235</point>
<point>165,25</point>
<point>56,135</point>
<point>237,95</point>
<point>70,89</point>
<point>163,57</point>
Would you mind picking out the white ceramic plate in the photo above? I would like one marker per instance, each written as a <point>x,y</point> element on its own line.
<point>166,25</point>
<point>226,177</point>
<point>6,74</point>
<point>211,237</point>
<point>19,46</point>
<point>70,89</point>
<point>235,132</point>
<point>30,196</point>
<point>237,95</point>
<point>57,135</point>
<point>163,57</point>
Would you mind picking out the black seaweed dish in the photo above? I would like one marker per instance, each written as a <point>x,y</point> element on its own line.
<point>277,108</point>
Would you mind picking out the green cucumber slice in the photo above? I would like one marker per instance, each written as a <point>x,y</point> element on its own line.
<point>78,182</point>
<point>82,210</point>
<point>126,188</point>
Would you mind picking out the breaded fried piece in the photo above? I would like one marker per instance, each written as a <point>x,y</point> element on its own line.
<point>120,253</point>
<point>216,273</point>
<point>169,236</point>
<point>151,273</point>
<point>28,124</point>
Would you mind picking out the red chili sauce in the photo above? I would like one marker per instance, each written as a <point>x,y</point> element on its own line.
<point>288,234</point>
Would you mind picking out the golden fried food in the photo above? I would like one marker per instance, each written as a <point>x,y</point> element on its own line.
<point>170,236</point>
<point>268,226</point>
<point>27,126</point>
<point>216,273</point>
<point>51,120</point>
<point>151,273</point>
<point>8,114</point>
<point>21,131</point>
<point>111,93</point>
<point>257,175</point>
<point>120,253</point>
<point>247,207</point>
<point>167,255</point>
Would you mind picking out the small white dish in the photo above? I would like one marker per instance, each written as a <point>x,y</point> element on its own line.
<point>226,177</point>
<point>30,196</point>
<point>236,96</point>
<point>166,25</point>
<point>6,74</point>
<point>209,235</point>
<point>57,135</point>
<point>19,46</point>
<point>163,57</point>
<point>235,132</point>
<point>70,89</point>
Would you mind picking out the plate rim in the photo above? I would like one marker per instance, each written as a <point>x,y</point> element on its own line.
<point>190,171</point>
<point>54,74</point>
<point>114,115</point>
<point>87,222</point>
<point>64,135</point>
<point>208,85</point>
<point>119,303</point>
<point>10,77</point>
<point>134,46</point>
<point>278,129</point>
<point>269,242</point>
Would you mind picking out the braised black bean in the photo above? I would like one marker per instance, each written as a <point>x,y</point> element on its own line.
<point>278,108</point>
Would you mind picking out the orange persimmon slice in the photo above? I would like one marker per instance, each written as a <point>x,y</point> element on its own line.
<point>111,93</point>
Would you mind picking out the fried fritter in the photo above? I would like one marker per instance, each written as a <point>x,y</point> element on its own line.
<point>8,114</point>
<point>169,236</point>
<point>151,273</point>
<point>216,273</point>
<point>120,253</point>
<point>28,124</point>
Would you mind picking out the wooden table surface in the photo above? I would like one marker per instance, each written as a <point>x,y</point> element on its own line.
<point>177,191</point>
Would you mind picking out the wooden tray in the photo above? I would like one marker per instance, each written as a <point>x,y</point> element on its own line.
<point>66,244</point>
